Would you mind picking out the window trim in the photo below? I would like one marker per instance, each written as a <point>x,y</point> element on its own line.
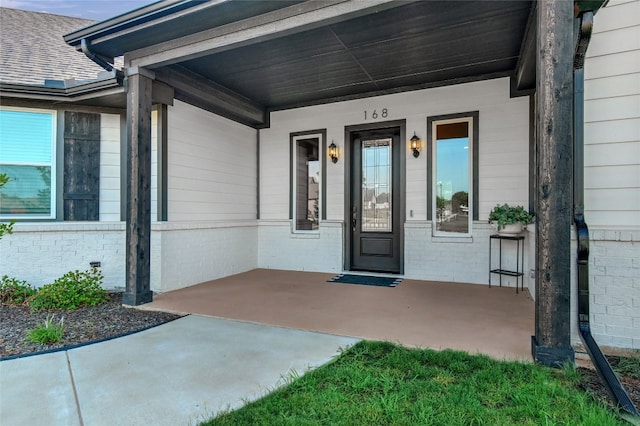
<point>432,121</point>
<point>54,166</point>
<point>294,137</point>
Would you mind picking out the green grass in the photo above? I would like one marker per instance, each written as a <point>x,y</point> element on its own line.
<point>629,365</point>
<point>48,332</point>
<point>376,383</point>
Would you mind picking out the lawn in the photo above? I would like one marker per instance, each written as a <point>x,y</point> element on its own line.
<point>376,383</point>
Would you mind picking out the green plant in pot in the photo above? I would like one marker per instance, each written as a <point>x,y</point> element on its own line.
<point>505,214</point>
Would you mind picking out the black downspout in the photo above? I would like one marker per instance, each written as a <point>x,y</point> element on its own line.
<point>84,46</point>
<point>614,387</point>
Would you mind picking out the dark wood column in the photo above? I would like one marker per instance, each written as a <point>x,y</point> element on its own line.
<point>551,344</point>
<point>138,211</point>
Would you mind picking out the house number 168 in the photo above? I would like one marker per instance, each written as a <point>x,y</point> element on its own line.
<point>384,113</point>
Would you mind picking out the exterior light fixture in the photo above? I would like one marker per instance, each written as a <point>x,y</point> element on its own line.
<point>416,145</point>
<point>333,152</point>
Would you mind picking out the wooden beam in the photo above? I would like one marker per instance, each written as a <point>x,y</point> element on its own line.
<point>551,344</point>
<point>523,82</point>
<point>138,212</point>
<point>197,90</point>
<point>290,20</point>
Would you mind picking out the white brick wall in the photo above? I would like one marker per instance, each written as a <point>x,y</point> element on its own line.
<point>460,259</point>
<point>40,253</point>
<point>280,248</point>
<point>184,254</point>
<point>614,267</point>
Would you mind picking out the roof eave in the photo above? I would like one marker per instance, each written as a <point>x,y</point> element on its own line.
<point>154,12</point>
<point>94,89</point>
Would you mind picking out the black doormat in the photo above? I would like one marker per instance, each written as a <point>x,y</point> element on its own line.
<point>366,280</point>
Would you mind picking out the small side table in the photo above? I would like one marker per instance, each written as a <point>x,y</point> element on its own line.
<point>519,272</point>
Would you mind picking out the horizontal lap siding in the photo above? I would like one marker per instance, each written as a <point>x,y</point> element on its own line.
<point>110,168</point>
<point>503,156</point>
<point>612,174</point>
<point>503,177</point>
<point>212,167</point>
<point>612,117</point>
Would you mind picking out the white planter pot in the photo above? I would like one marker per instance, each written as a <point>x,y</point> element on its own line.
<point>511,229</point>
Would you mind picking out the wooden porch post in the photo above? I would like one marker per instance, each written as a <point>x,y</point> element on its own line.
<point>551,344</point>
<point>138,211</point>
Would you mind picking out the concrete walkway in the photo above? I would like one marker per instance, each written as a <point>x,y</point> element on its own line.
<point>179,373</point>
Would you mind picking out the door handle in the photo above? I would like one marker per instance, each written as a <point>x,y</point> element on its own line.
<point>354,218</point>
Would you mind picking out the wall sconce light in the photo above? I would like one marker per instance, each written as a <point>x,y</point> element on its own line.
<point>416,145</point>
<point>333,152</point>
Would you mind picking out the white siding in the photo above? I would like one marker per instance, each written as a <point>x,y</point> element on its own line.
<point>503,139</point>
<point>211,230</point>
<point>612,117</point>
<point>503,177</point>
<point>212,167</point>
<point>612,175</point>
<point>109,167</point>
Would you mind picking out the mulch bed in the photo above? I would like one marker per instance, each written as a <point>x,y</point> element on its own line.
<point>83,325</point>
<point>594,385</point>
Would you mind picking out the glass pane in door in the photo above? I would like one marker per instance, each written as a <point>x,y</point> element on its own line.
<point>376,185</point>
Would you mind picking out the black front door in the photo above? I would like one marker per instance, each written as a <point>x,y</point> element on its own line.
<point>375,222</point>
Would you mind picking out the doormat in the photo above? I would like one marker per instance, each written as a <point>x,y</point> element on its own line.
<point>366,280</point>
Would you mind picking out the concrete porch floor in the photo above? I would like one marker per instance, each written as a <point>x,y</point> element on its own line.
<point>474,318</point>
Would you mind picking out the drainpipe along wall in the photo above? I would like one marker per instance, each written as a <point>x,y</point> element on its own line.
<point>84,46</point>
<point>616,390</point>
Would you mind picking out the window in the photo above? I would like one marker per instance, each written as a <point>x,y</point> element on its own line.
<point>306,181</point>
<point>376,190</point>
<point>27,156</point>
<point>453,159</point>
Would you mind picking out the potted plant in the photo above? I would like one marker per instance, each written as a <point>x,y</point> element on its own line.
<point>510,219</point>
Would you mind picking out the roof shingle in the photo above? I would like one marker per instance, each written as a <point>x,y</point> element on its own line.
<point>32,49</point>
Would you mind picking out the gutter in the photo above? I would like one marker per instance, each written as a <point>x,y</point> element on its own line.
<point>60,90</point>
<point>138,16</point>
<point>615,389</point>
<point>84,46</point>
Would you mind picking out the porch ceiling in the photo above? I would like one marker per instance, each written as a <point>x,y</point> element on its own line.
<point>383,47</point>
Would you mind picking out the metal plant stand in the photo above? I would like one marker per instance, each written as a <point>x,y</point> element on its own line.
<point>519,272</point>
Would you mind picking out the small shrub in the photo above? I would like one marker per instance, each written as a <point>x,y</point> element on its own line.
<point>71,291</point>
<point>48,332</point>
<point>14,291</point>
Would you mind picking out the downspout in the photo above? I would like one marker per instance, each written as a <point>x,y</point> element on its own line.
<point>616,391</point>
<point>84,46</point>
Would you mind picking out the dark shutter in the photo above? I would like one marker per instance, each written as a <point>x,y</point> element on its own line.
<point>81,166</point>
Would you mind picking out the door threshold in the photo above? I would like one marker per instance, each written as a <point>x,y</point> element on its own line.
<point>374,274</point>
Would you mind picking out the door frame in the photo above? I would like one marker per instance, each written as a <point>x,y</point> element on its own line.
<point>348,130</point>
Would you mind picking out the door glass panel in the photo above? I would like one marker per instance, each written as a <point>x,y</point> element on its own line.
<point>452,177</point>
<point>376,188</point>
